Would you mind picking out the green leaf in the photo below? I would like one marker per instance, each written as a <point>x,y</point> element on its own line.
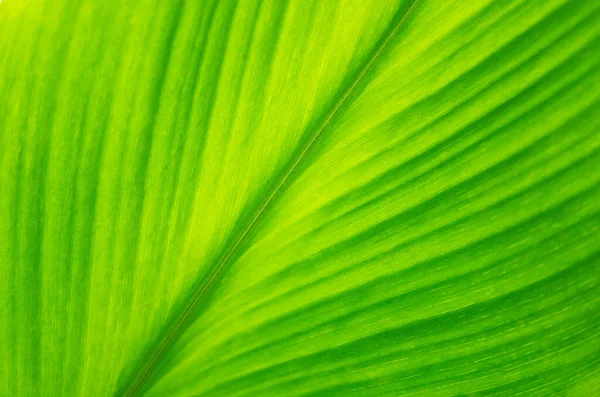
<point>299,198</point>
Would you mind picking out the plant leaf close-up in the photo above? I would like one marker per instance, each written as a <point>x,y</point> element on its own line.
<point>299,198</point>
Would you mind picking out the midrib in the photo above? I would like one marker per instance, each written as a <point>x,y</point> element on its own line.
<point>204,286</point>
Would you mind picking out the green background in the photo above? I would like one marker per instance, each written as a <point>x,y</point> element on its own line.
<point>299,198</point>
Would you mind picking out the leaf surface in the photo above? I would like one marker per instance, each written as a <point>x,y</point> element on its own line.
<point>299,198</point>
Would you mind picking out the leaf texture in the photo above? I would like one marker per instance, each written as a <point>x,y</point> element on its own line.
<point>299,198</point>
